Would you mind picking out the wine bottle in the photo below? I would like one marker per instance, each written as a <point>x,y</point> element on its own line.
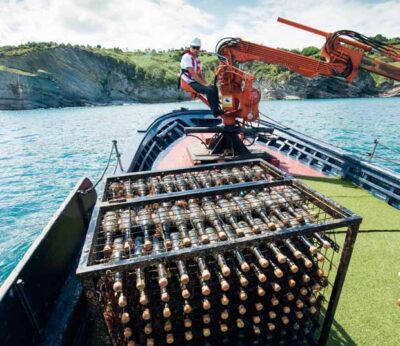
<point>248,173</point>
<point>211,215</point>
<point>274,301</point>
<point>197,218</point>
<point>125,317</point>
<point>191,181</point>
<point>275,286</point>
<point>179,217</point>
<point>292,266</point>
<point>324,242</point>
<point>242,279</point>
<point>122,300</point>
<point>168,183</point>
<point>118,252</point>
<point>162,220</point>
<point>200,260</point>
<point>187,322</point>
<point>206,332</point>
<point>245,211</point>
<point>284,203</point>
<point>204,178</point>
<point>222,281</point>
<point>242,294</point>
<point>141,187</point>
<point>280,257</point>
<point>146,314</point>
<point>224,300</point>
<point>311,247</point>
<point>258,208</point>
<point>227,177</point>
<point>181,182</point>
<point>259,306</point>
<point>162,272</point>
<point>169,338</point>
<point>205,289</point>
<point>188,335</point>
<point>206,318</point>
<point>239,323</point>
<point>109,225</point>
<point>272,208</point>
<point>259,172</point>
<point>183,274</point>
<point>228,213</point>
<point>166,311</point>
<point>260,275</point>
<point>143,299</point>
<point>277,271</point>
<point>264,263</point>
<point>260,291</point>
<point>167,326</point>
<point>155,186</point>
<point>184,291</point>
<point>293,249</point>
<point>128,332</point>
<point>145,222</point>
<point>223,327</point>
<point>116,191</point>
<point>238,175</point>
<point>187,308</point>
<point>125,227</point>
<point>206,304</point>
<point>165,297</point>
<point>224,314</point>
<point>256,319</point>
<point>216,178</point>
<point>117,286</point>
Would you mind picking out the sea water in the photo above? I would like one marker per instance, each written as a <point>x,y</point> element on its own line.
<point>43,153</point>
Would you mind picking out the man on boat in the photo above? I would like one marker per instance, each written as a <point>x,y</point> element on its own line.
<point>192,75</point>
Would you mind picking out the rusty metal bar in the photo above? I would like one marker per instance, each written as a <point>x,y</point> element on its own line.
<point>339,281</point>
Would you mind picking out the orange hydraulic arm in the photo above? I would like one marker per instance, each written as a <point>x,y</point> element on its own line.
<point>240,99</point>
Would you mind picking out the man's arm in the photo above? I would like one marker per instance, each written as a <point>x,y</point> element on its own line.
<point>195,76</point>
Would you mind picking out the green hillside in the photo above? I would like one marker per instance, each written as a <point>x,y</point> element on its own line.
<point>162,67</point>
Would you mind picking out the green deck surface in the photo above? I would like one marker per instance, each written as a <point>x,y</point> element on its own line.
<point>367,313</point>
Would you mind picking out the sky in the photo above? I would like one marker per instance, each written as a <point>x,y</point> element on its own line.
<point>165,24</point>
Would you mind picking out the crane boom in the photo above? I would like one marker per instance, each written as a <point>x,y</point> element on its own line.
<point>343,57</point>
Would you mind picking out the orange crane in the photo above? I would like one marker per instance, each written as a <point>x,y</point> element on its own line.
<point>344,54</point>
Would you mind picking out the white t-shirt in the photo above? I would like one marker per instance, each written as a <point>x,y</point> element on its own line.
<point>187,61</point>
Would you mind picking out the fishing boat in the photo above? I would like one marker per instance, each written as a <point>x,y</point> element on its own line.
<point>43,301</point>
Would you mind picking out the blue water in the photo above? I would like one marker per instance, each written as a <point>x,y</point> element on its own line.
<point>43,153</point>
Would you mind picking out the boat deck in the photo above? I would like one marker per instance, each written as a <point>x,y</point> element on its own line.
<point>172,160</point>
<point>367,313</point>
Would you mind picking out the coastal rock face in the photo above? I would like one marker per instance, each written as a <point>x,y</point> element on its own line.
<point>69,76</point>
<point>296,86</point>
<point>63,77</point>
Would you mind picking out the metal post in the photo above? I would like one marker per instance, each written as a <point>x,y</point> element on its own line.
<point>339,280</point>
<point>117,154</point>
<point>371,155</point>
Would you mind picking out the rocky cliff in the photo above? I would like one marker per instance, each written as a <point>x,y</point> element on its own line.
<point>71,76</point>
<point>63,77</point>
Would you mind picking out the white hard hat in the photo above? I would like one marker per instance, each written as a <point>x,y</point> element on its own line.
<point>195,42</point>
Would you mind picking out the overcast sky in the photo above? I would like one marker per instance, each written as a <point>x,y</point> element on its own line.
<point>163,24</point>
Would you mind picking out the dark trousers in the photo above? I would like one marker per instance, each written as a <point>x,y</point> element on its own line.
<point>212,96</point>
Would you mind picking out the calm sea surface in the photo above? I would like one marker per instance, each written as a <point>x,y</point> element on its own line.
<point>43,153</point>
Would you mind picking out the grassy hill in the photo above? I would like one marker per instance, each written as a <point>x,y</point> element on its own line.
<point>163,66</point>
